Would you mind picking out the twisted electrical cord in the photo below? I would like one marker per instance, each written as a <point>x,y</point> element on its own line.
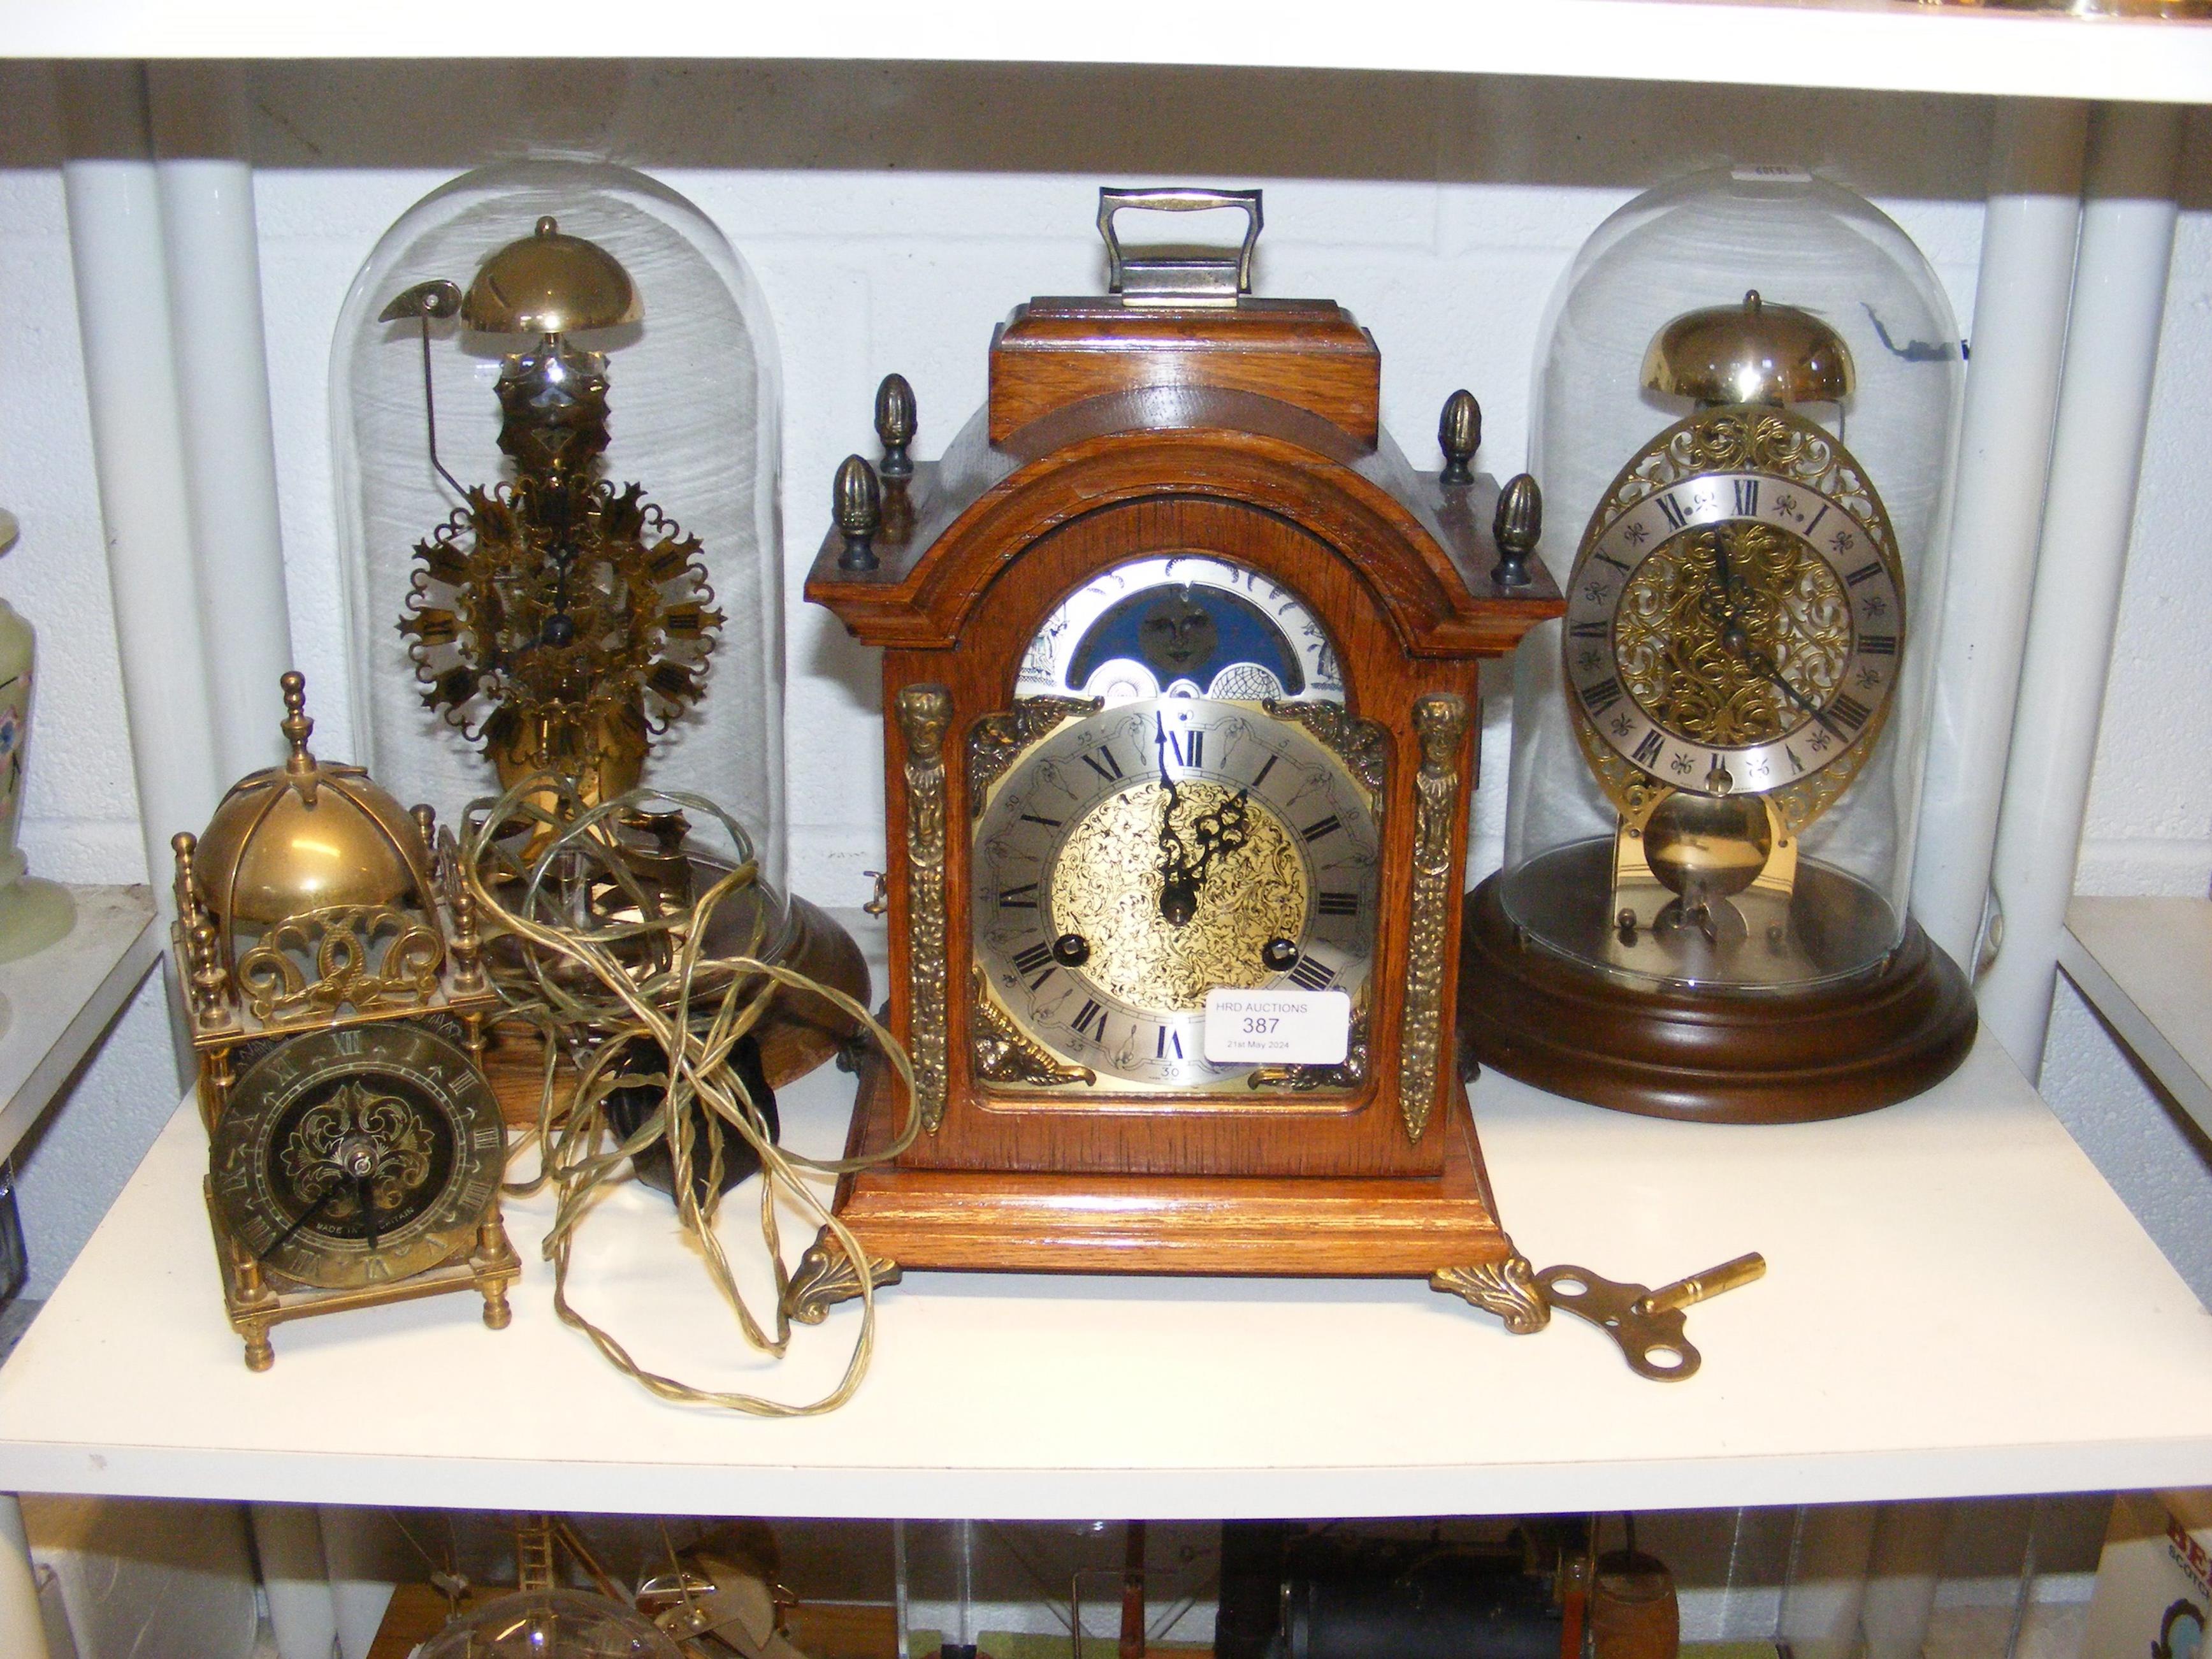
<point>582,976</point>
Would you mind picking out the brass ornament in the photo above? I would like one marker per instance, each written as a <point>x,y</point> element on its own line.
<point>561,619</point>
<point>1003,1053</point>
<point>825,1276</point>
<point>997,741</point>
<point>364,958</point>
<point>1363,745</point>
<point>1506,1288</point>
<point>924,712</point>
<point>1440,721</point>
<point>1347,1073</point>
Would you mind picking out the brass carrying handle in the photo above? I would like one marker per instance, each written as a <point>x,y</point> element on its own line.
<point>1183,274</point>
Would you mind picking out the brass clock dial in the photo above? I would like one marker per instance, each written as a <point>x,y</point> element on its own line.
<point>358,1156</point>
<point>1136,858</point>
<point>1736,617</point>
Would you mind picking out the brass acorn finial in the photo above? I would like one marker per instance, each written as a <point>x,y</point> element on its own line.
<point>1516,528</point>
<point>896,419</point>
<point>858,501</point>
<point>1459,434</point>
<point>295,724</point>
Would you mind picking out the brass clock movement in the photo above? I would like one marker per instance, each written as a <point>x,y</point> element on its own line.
<point>1703,912</point>
<point>337,1000</point>
<point>1180,686</point>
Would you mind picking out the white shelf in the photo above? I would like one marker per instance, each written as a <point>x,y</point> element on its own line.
<point>1956,1305</point>
<point>2146,965</point>
<point>60,1000</point>
<point>1887,44</point>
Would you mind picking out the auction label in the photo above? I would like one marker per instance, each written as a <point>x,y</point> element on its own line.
<point>1279,1028</point>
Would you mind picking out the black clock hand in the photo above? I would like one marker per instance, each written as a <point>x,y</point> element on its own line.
<point>365,1187</point>
<point>304,1218</point>
<point>1737,643</point>
<point>1734,641</point>
<point>1178,881</point>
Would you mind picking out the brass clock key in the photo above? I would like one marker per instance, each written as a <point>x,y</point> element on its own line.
<point>1646,1323</point>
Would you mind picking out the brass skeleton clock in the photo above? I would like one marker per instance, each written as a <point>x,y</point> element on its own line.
<point>1180,666</point>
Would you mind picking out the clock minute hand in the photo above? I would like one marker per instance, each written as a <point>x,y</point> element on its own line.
<point>303,1218</point>
<point>1734,640</point>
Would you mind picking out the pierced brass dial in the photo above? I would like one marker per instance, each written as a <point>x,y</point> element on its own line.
<point>1736,618</point>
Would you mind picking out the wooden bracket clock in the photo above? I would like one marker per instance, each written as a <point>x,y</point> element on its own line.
<point>1180,695</point>
<point>335,991</point>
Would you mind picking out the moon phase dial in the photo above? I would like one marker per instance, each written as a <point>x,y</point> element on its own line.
<point>1133,860</point>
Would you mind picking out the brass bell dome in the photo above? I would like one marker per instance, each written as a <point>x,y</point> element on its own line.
<point>1753,353</point>
<point>305,836</point>
<point>550,282</point>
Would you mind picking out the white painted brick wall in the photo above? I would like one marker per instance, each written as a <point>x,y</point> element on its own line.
<point>893,213</point>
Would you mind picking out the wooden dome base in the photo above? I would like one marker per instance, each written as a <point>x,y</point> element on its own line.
<point>1703,1055</point>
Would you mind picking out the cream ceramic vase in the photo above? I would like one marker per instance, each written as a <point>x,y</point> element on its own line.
<point>33,914</point>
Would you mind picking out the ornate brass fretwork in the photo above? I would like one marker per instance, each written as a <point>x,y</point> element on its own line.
<point>388,1129</point>
<point>1348,1073</point>
<point>1440,722</point>
<point>363,956</point>
<point>1003,1054</point>
<point>924,713</point>
<point>825,1276</point>
<point>1106,887</point>
<point>1506,1288</point>
<point>1669,634</point>
<point>997,741</point>
<point>1363,745</point>
<point>1787,601</point>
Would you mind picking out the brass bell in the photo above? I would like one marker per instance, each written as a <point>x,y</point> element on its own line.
<point>303,836</point>
<point>550,282</point>
<point>1753,353</point>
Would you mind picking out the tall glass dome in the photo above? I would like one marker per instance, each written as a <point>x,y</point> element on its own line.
<point>1745,416</point>
<point>685,381</point>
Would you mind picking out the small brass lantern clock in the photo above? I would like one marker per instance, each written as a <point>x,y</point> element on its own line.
<point>336,996</point>
<point>1716,757</point>
<point>1181,667</point>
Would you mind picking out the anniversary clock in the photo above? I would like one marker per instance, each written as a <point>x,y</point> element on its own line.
<point>1703,912</point>
<point>1180,686</point>
<point>336,995</point>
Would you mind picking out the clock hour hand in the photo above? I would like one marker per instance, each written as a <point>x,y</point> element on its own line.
<point>1178,879</point>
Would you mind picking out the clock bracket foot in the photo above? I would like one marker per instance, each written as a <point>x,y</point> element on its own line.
<point>825,1276</point>
<point>1506,1288</point>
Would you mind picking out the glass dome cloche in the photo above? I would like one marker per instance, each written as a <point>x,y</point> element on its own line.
<point>1745,415</point>
<point>555,409</point>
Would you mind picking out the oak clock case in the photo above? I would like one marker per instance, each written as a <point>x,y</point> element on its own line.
<point>1180,688</point>
<point>336,996</point>
<point>1746,405</point>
